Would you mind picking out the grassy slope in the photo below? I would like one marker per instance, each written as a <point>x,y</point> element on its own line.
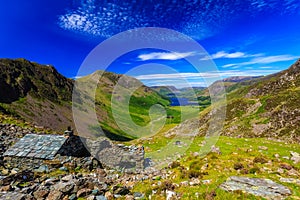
<point>220,167</point>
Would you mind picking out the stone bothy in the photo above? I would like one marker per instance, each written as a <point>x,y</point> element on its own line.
<point>33,151</point>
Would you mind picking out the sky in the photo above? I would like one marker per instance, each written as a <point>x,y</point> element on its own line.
<point>242,37</point>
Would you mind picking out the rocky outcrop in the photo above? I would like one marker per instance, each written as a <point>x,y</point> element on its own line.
<point>20,77</point>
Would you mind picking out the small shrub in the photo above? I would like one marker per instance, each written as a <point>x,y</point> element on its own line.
<point>238,166</point>
<point>261,160</point>
<point>254,170</point>
<point>167,185</point>
<point>174,164</point>
<point>194,174</point>
<point>244,171</point>
<point>196,165</point>
<point>211,195</point>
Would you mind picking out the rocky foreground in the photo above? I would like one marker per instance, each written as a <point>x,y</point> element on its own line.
<point>81,178</point>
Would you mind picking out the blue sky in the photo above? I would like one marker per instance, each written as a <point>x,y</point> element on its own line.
<point>243,37</point>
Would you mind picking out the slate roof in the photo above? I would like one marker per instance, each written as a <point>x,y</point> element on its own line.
<point>37,146</point>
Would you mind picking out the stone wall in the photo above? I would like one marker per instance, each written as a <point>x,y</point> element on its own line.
<point>22,163</point>
<point>74,146</point>
<point>120,157</point>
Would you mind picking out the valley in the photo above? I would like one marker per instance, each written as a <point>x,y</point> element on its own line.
<point>260,138</point>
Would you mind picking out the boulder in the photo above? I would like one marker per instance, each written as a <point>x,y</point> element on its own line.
<point>295,157</point>
<point>65,188</point>
<point>55,195</point>
<point>83,192</point>
<point>101,197</point>
<point>41,193</point>
<point>259,187</point>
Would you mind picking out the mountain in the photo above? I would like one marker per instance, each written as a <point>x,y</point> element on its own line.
<point>36,93</point>
<point>263,107</point>
<point>140,100</point>
<point>40,95</point>
<point>182,96</point>
<point>230,84</point>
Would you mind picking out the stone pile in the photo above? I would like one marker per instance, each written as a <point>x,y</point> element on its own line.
<point>101,184</point>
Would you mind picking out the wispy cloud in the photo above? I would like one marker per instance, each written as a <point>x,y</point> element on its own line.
<point>198,79</point>
<point>199,19</point>
<point>263,60</point>
<point>224,54</point>
<point>165,55</point>
<point>272,59</point>
<point>211,74</point>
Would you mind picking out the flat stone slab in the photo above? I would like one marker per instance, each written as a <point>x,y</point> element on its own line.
<point>37,146</point>
<point>12,196</point>
<point>259,187</point>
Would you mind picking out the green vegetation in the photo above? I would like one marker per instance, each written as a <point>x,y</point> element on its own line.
<point>240,156</point>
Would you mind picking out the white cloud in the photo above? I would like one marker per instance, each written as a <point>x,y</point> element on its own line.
<point>165,55</point>
<point>272,59</point>
<point>224,54</point>
<point>263,60</point>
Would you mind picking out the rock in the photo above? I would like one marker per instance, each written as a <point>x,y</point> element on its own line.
<point>194,181</point>
<point>4,172</point>
<point>117,196</point>
<point>109,195</point>
<point>67,178</point>
<point>63,169</point>
<point>286,157</point>
<point>290,180</point>
<point>14,171</point>
<point>83,192</point>
<point>293,172</point>
<point>170,195</point>
<point>101,197</point>
<point>6,188</point>
<point>90,197</point>
<point>55,195</point>
<point>295,157</point>
<point>206,182</point>
<point>263,148</point>
<point>95,192</point>
<point>122,191</point>
<point>204,167</point>
<point>280,171</point>
<point>15,196</point>
<point>260,187</point>
<point>50,181</point>
<point>138,195</point>
<point>196,154</point>
<point>41,193</point>
<point>129,197</point>
<point>286,166</point>
<point>73,197</point>
<point>184,183</point>
<point>215,149</point>
<point>64,187</point>
<point>42,169</point>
